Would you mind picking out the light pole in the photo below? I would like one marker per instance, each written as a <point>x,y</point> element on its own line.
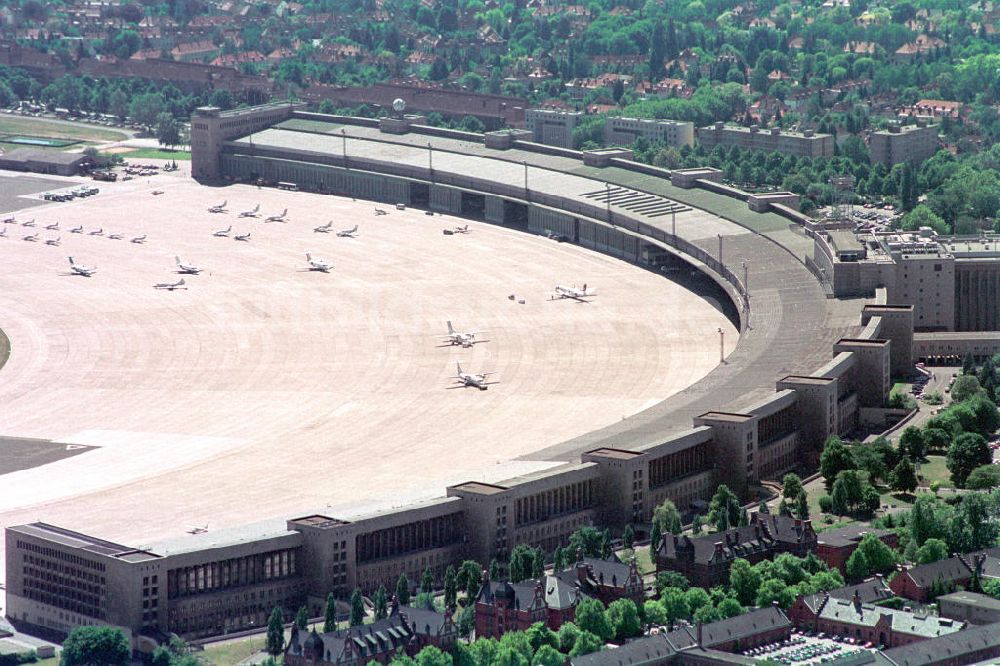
<point>722,346</point>
<point>430,160</point>
<point>343,135</point>
<point>607,189</point>
<point>720,250</point>
<point>673,225</point>
<point>527,196</point>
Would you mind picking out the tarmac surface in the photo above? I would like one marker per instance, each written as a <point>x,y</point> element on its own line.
<point>265,389</point>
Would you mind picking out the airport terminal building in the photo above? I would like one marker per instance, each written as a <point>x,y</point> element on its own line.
<point>808,365</point>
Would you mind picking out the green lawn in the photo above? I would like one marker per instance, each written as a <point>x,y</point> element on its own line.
<point>157,154</point>
<point>231,652</point>
<point>935,470</point>
<point>57,129</point>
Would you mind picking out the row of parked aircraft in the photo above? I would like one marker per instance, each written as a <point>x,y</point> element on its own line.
<point>253,212</point>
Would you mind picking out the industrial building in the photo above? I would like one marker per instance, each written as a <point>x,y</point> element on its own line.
<point>552,127</point>
<point>904,143</point>
<point>625,131</point>
<point>774,140</point>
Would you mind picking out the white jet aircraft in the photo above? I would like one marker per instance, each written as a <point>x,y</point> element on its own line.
<point>116,236</point>
<point>187,269</point>
<point>348,233</point>
<point>252,212</point>
<point>29,223</point>
<point>574,292</point>
<point>277,218</point>
<point>380,211</point>
<point>170,286</point>
<point>466,339</point>
<point>461,230</point>
<point>31,237</point>
<point>54,242</point>
<point>318,264</point>
<point>85,271</point>
<point>324,228</point>
<point>221,208</point>
<point>223,233</point>
<point>77,230</point>
<point>242,237</point>
<point>466,379</point>
<point>97,232</point>
<point>139,240</point>
<point>9,220</point>
<point>52,227</point>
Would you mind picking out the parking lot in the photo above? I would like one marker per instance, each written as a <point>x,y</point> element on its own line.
<point>803,648</point>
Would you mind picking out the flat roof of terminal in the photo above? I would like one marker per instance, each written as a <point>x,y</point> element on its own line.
<point>802,379</point>
<point>480,488</point>
<point>618,454</point>
<point>726,416</point>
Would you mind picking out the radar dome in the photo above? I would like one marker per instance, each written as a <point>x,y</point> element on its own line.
<point>398,105</point>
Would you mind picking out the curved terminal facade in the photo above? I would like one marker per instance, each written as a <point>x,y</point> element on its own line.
<point>807,365</point>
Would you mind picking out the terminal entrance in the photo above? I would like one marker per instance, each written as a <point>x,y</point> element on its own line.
<point>473,205</point>
<point>515,215</point>
<point>420,194</point>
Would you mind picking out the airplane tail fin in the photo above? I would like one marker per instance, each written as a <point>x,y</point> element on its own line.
<point>284,212</point>
<point>71,262</point>
<point>450,329</point>
<point>458,365</point>
<point>177,260</point>
<point>308,257</point>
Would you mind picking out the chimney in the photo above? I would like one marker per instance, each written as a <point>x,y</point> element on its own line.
<point>856,600</point>
<point>718,549</point>
<point>697,629</point>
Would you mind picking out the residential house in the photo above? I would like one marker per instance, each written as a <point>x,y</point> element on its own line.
<point>920,583</point>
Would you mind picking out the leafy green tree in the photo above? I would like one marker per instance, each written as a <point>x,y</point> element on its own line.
<point>568,633</point>
<point>95,646</point>
<point>519,642</point>
<point>973,527</point>
<point>590,618</point>
<point>968,364</point>
<point>623,616</point>
<point>655,537</point>
<point>709,614</point>
<point>936,439</point>
<point>168,130</point>
<point>674,603</point>
<point>469,578</point>
<point>836,457</point>
<point>880,557</point>
<point>548,656</point>
<point>728,607</point>
<point>744,581</point>
<point>403,590</point>
<point>302,617</point>
<point>427,581</point>
<point>775,590</point>
<point>381,603</point>
<point>904,477</point>
<point>984,477</point>
<point>494,569</point>
<point>330,614</point>
<point>586,643</point>
<point>275,632</point>
<point>933,550</point>
<point>539,635</point>
<point>991,586</point>
<point>522,563</point>
<point>433,656</point>
<point>791,485</point>
<point>162,656</point>
<point>357,608</point>
<point>665,579</point>
<point>969,451</point>
<point>628,537</point>
<point>654,613</point>
<point>667,517</point>
<point>587,539</point>
<point>965,387</point>
<point>724,509</point>
<point>783,509</point>
<point>857,567</point>
<point>696,597</point>
<point>450,587</point>
<point>802,505</point>
<point>912,445</point>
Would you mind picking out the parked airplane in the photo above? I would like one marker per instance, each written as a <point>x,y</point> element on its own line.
<point>221,208</point>
<point>188,269</point>
<point>97,232</point>
<point>318,264</point>
<point>54,242</point>
<point>29,223</point>
<point>52,227</point>
<point>458,338</point>
<point>251,213</point>
<point>85,271</point>
<point>244,237</point>
<point>223,233</point>
<point>115,236</point>
<point>574,292</point>
<point>348,233</point>
<point>466,379</point>
<point>139,240</point>
<point>277,218</point>
<point>9,220</point>
<point>461,230</point>
<point>170,286</point>
<point>32,238</point>
<point>324,229</point>
<point>379,211</point>
<point>3,232</point>
<point>77,230</point>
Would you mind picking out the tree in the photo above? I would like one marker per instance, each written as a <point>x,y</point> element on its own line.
<point>929,519</point>
<point>469,577</point>
<point>522,563</point>
<point>904,477</point>
<point>965,387</point>
<point>802,504</point>
<point>586,539</point>
<point>538,635</point>
<point>145,108</point>
<point>403,590</point>
<point>302,617</point>
<point>586,643</point>
<point>330,615</point>
<point>590,618</point>
<point>968,364</point>
<point>433,656</point>
<point>744,580</point>
<point>548,656</point>
<point>969,451</point>
<point>427,581</point>
<point>95,646</point>
<point>567,634</point>
<point>675,605</point>
<point>984,477</point>
<point>628,537</point>
<point>655,536</point>
<point>763,507</point>
<point>665,579</point>
<point>791,485</point>
<point>773,589</point>
<point>783,509</point>
<point>667,517</point>
<point>912,445</point>
<point>623,616</point>
<point>933,550</point>
<point>162,656</point>
<point>654,613</point>
<point>696,597</point>
<point>836,457</point>
<point>724,509</point>
<point>973,527</point>
<point>275,632</point>
<point>880,557</point>
<point>168,130</point>
<point>728,607</point>
<point>857,567</point>
<point>381,603</point>
<point>357,608</point>
<point>450,587</point>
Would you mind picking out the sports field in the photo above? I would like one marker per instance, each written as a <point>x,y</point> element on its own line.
<point>265,389</point>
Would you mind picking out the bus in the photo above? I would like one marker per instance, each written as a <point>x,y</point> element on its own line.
<point>291,187</point>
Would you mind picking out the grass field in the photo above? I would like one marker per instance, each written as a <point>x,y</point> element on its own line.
<point>231,652</point>
<point>57,129</point>
<point>157,154</point>
<point>935,469</point>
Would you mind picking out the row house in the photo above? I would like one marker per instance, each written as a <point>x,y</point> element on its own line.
<point>920,582</point>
